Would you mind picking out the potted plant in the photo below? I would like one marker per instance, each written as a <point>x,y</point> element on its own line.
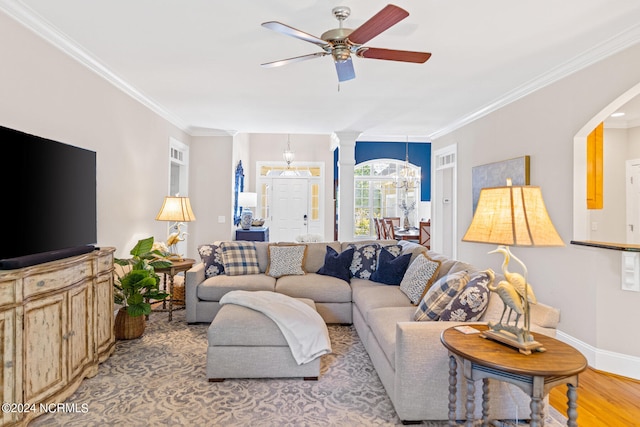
<point>135,285</point>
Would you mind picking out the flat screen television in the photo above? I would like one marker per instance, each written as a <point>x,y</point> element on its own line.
<point>48,202</point>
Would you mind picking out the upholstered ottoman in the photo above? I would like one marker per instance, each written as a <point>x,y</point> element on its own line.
<point>244,343</point>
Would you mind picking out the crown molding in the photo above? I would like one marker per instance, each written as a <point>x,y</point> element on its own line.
<point>609,47</point>
<point>34,22</point>
<point>199,131</point>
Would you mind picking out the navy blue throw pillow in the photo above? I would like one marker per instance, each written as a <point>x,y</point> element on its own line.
<point>390,269</point>
<point>337,264</point>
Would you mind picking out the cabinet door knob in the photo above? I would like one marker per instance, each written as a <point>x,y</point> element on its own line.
<point>40,283</point>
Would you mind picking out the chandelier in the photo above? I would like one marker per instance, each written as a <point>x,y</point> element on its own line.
<point>288,155</point>
<point>407,179</point>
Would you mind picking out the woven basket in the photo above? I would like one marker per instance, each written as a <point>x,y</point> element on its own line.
<point>127,327</point>
<point>178,294</point>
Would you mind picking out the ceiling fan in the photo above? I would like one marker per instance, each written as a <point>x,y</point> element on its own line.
<point>341,42</point>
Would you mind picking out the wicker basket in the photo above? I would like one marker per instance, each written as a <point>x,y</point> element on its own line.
<point>127,327</point>
<point>178,294</point>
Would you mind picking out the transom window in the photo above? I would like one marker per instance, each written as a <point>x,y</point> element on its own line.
<point>381,191</point>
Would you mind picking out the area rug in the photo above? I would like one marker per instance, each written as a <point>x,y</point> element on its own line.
<point>160,380</point>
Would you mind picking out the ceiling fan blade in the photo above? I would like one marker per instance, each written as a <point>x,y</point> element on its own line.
<point>290,31</point>
<point>393,55</point>
<point>381,21</point>
<point>292,60</point>
<point>345,70</point>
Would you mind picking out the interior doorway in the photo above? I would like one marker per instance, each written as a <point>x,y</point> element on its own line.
<point>443,223</point>
<point>633,201</point>
<point>291,200</point>
<point>179,183</point>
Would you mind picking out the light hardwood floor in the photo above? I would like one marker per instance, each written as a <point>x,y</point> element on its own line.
<point>603,400</point>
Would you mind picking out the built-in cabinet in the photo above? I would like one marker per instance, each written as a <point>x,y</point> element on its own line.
<point>56,321</point>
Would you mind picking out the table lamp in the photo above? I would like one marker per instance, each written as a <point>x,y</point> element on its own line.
<point>513,216</point>
<point>247,200</point>
<point>177,209</point>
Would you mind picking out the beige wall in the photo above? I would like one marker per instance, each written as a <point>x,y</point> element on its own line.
<point>46,93</point>
<point>583,282</point>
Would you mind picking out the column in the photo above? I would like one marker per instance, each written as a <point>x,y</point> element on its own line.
<point>346,164</point>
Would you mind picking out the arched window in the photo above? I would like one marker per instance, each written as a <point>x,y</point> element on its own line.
<point>385,188</point>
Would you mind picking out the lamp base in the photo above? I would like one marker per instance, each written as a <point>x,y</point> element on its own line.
<point>525,347</point>
<point>246,218</point>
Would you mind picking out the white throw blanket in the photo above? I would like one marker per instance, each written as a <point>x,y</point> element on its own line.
<point>302,326</point>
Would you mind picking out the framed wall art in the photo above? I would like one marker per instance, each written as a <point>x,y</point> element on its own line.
<point>496,174</point>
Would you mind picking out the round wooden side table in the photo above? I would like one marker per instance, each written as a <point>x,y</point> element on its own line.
<point>535,374</point>
<point>170,272</point>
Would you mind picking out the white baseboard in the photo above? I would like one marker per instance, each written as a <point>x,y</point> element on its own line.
<point>603,360</point>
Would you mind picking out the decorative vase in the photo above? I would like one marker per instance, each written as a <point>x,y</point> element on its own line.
<point>246,218</point>
<point>406,222</point>
<point>128,327</point>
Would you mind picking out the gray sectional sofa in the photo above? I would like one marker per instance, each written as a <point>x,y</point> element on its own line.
<point>408,356</point>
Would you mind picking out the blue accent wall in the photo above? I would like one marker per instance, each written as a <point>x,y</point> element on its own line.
<point>419,155</point>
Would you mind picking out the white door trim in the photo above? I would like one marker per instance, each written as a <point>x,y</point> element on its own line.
<point>444,158</point>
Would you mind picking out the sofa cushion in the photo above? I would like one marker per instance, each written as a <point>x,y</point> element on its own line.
<point>214,288</point>
<point>437,298</point>
<point>391,268</point>
<point>211,256</point>
<point>337,264</point>
<point>377,295</point>
<point>286,260</point>
<point>314,286</point>
<point>415,249</point>
<point>316,253</point>
<point>239,258</point>
<point>419,277</point>
<point>471,302</point>
<point>262,250</point>
<point>382,322</point>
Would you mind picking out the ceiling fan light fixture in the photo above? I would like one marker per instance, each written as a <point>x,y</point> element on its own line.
<point>341,54</point>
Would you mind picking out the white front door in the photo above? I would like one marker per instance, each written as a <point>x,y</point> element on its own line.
<point>289,216</point>
<point>633,201</point>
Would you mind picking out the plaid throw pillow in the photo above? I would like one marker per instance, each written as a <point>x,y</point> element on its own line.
<point>239,258</point>
<point>211,256</point>
<point>440,294</point>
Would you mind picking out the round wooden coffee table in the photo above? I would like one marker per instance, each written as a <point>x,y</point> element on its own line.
<point>535,374</point>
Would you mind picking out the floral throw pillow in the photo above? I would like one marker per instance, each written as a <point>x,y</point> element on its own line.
<point>365,259</point>
<point>470,303</point>
<point>211,256</point>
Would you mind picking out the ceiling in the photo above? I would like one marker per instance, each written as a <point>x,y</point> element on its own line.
<point>197,62</point>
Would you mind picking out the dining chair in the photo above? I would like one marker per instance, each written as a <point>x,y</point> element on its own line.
<point>379,230</point>
<point>425,234</point>
<point>394,219</point>
<point>388,229</point>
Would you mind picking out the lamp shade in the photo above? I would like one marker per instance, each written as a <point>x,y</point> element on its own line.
<point>176,209</point>
<point>512,216</point>
<point>248,200</point>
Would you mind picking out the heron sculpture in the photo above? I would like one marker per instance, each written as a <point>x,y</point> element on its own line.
<point>511,300</point>
<point>516,294</point>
